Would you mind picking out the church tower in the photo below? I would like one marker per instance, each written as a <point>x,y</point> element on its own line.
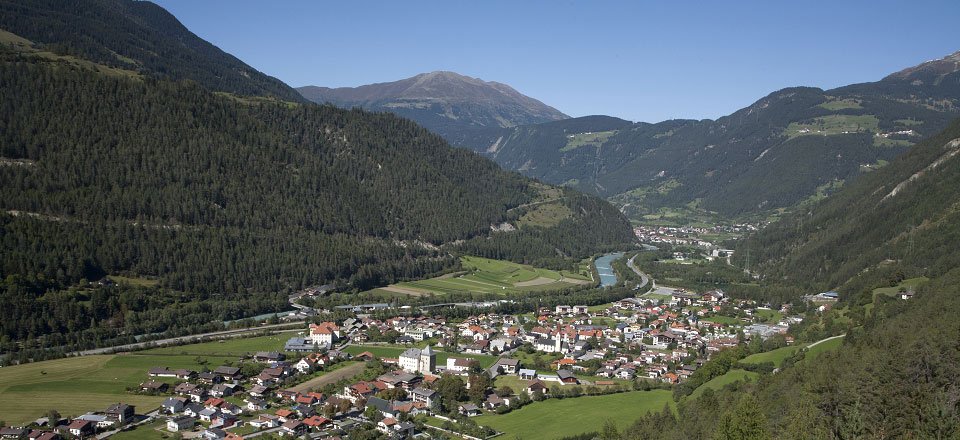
<point>428,360</point>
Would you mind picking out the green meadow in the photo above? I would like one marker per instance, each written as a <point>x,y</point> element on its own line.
<point>484,275</point>
<point>554,418</point>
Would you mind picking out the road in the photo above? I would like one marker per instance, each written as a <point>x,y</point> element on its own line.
<point>644,279</point>
<point>183,339</point>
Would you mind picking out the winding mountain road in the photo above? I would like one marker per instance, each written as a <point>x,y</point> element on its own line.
<point>644,278</point>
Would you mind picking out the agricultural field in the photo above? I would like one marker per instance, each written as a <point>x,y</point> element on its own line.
<point>579,415</point>
<point>392,351</point>
<point>76,385</point>
<point>721,381</point>
<point>235,348</point>
<point>484,275</point>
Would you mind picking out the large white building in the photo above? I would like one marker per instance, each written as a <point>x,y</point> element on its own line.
<point>324,334</point>
<point>415,360</point>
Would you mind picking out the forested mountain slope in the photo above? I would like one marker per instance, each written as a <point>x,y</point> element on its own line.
<point>138,36</point>
<point>894,376</point>
<point>903,218</point>
<point>775,153</point>
<point>224,204</point>
<point>452,105</point>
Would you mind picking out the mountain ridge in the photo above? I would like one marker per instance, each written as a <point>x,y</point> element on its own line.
<point>445,102</point>
<point>790,145</point>
<point>139,36</point>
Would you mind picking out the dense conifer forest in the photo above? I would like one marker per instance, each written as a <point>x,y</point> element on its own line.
<point>229,203</point>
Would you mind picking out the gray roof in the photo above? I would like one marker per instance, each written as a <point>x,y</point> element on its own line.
<point>426,392</point>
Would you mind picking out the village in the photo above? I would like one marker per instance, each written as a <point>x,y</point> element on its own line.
<point>416,374</point>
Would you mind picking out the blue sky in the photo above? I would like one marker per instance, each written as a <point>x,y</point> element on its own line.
<point>642,61</point>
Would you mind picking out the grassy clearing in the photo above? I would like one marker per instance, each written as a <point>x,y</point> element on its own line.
<point>141,282</point>
<point>390,351</point>
<point>576,416</point>
<point>769,315</point>
<point>595,139</point>
<point>24,46</point>
<point>834,124</point>
<point>494,276</point>
<point>721,381</point>
<point>841,104</point>
<point>907,284</point>
<point>546,215</point>
<point>775,356</point>
<point>822,347</point>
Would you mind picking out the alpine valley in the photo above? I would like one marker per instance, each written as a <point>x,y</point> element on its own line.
<point>191,248</point>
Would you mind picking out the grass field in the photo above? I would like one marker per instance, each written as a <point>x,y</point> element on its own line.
<point>595,139</point>
<point>841,104</point>
<point>834,124</point>
<point>775,356</point>
<point>555,418</point>
<point>235,347</point>
<point>492,276</point>
<point>442,356</point>
<point>768,315</point>
<point>148,431</point>
<point>337,373</point>
<point>721,381</point>
<point>74,386</point>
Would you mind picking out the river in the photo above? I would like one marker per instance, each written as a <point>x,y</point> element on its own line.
<point>604,267</point>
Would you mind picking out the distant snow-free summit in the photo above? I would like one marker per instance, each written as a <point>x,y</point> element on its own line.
<point>442,101</point>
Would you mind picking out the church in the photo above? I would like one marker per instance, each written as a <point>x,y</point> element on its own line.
<point>415,360</point>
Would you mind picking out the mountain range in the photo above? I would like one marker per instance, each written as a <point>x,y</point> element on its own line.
<point>447,103</point>
<point>789,147</point>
